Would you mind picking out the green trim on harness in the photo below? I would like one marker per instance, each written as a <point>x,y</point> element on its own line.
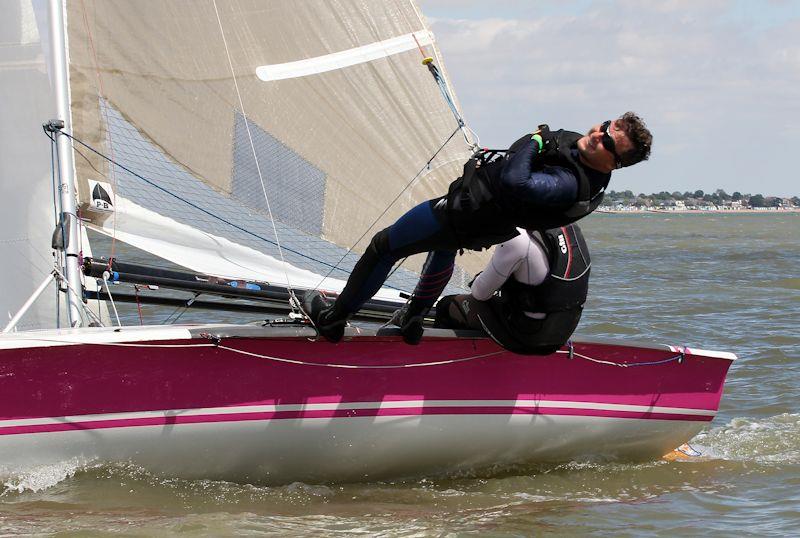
<point>539,141</point>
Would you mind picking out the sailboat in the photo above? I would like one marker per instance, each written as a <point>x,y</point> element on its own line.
<point>255,146</point>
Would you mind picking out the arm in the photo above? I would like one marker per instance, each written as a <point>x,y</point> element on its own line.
<point>544,188</point>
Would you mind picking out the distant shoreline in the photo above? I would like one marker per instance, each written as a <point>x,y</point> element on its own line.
<point>770,211</point>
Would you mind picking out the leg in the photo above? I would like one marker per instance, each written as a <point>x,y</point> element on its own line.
<point>419,230</point>
<point>435,275</point>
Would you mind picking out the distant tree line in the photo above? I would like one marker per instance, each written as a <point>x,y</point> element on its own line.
<point>698,197</point>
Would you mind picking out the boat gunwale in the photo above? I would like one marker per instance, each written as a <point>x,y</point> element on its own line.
<point>158,333</point>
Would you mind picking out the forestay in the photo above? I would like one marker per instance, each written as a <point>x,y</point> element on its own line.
<point>317,113</point>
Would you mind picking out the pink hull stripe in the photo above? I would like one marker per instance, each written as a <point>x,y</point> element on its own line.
<point>341,413</point>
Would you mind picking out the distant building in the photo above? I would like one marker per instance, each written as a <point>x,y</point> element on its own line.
<point>731,205</point>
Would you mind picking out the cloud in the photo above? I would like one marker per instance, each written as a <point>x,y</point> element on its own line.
<point>693,70</point>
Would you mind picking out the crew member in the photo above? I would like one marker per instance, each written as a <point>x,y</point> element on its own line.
<point>546,179</point>
<point>530,297</point>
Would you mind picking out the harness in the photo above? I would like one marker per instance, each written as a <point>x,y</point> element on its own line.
<point>561,296</point>
<point>479,214</point>
<point>474,212</point>
<point>566,285</point>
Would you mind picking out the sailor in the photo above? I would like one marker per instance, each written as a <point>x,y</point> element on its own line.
<point>530,296</point>
<point>545,180</point>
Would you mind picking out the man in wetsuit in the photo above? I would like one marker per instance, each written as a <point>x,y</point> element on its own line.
<point>547,179</point>
<point>530,296</point>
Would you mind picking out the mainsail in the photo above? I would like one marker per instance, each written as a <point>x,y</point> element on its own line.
<point>250,133</point>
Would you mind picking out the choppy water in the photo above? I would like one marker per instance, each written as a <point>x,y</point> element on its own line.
<point>728,282</point>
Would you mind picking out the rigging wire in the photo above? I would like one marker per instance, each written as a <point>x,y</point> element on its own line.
<point>293,301</point>
<point>58,214</point>
<point>175,316</point>
<point>379,217</point>
<point>79,300</point>
<point>192,204</point>
<point>333,266</point>
<point>470,136</point>
<point>85,158</point>
<point>60,254</point>
<point>462,126</point>
<point>138,304</point>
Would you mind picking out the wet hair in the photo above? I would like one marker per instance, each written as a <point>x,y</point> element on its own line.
<point>640,137</point>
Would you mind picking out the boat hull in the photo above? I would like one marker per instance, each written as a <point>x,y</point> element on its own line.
<point>268,405</point>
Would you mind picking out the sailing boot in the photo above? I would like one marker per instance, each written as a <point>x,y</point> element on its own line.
<point>409,318</point>
<point>324,316</point>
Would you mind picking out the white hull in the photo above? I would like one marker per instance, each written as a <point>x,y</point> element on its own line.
<point>353,449</point>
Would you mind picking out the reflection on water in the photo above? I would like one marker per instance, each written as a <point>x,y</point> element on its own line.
<point>726,282</point>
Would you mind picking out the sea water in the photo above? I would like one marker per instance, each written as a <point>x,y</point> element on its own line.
<point>717,281</point>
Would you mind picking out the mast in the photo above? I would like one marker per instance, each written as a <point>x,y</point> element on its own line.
<point>66,164</point>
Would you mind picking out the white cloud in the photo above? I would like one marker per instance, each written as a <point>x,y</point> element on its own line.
<point>703,74</point>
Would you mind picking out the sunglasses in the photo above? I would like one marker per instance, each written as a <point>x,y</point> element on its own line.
<point>608,142</point>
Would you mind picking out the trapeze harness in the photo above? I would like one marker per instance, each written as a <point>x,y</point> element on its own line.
<point>481,215</point>
<point>560,297</point>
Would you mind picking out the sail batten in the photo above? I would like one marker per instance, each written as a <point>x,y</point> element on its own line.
<point>346,58</point>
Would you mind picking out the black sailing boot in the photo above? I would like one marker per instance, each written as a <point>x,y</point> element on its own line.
<point>409,318</point>
<point>323,316</point>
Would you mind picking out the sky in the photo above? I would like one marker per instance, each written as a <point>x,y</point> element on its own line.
<point>717,81</point>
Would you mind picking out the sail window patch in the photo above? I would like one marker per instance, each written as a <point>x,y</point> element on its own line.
<point>345,58</point>
<point>295,187</point>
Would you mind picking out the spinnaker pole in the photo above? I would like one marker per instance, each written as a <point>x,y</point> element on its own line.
<point>66,164</point>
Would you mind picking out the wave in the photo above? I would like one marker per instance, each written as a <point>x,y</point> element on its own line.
<point>40,477</point>
<point>769,440</point>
